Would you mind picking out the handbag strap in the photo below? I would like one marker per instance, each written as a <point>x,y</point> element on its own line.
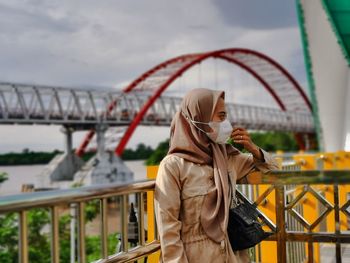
<point>234,200</point>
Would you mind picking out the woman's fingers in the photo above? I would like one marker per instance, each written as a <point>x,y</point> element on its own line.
<point>238,132</point>
<point>241,136</point>
<point>239,129</point>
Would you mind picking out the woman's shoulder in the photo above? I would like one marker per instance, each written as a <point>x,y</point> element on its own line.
<point>174,162</point>
<point>170,164</point>
<point>171,159</point>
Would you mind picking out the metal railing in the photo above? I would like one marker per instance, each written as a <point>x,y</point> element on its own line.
<point>289,226</point>
<point>23,203</point>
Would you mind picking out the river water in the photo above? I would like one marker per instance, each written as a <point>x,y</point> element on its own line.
<point>29,174</point>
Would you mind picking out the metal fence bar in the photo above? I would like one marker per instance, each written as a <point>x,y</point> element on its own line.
<point>141,212</point>
<point>155,227</point>
<point>310,252</point>
<point>104,228</point>
<point>26,201</point>
<point>81,232</point>
<point>337,223</point>
<point>73,215</point>
<point>301,246</point>
<point>23,237</point>
<point>124,214</point>
<point>55,254</point>
<point>133,254</point>
<point>326,237</point>
<point>281,224</point>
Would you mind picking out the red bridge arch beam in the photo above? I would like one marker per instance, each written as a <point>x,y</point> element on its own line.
<point>88,137</point>
<point>226,54</point>
<point>260,66</point>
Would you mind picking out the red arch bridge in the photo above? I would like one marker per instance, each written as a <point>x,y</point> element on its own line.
<point>143,101</point>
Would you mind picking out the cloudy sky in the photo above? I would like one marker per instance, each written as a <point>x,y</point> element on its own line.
<point>88,43</point>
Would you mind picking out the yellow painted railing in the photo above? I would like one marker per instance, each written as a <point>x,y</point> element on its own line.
<point>309,208</point>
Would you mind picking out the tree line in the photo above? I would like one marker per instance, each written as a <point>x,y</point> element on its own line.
<point>269,141</point>
<point>28,157</point>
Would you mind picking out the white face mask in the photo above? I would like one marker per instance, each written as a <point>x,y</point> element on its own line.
<point>221,130</point>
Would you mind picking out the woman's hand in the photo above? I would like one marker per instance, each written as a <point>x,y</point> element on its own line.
<point>241,136</point>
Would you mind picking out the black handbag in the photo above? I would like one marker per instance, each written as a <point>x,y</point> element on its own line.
<point>243,229</point>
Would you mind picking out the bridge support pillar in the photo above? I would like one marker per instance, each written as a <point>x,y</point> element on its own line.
<point>100,139</point>
<point>63,166</point>
<point>68,132</point>
<point>105,167</point>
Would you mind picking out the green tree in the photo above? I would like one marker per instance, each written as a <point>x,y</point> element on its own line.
<point>269,141</point>
<point>64,232</point>
<point>39,246</point>
<point>141,152</point>
<point>8,238</point>
<point>158,154</point>
<point>3,177</point>
<point>26,158</point>
<point>273,141</point>
<point>38,238</point>
<point>25,151</point>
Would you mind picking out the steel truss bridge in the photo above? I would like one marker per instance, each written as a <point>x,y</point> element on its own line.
<point>30,104</point>
<point>84,109</point>
<point>142,102</point>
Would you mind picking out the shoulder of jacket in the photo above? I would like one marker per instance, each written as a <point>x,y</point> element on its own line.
<point>171,163</point>
<point>171,158</point>
<point>176,162</point>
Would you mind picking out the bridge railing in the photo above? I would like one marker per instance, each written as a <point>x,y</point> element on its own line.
<point>300,208</point>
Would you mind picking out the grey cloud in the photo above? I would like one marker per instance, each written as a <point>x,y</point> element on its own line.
<point>199,27</point>
<point>113,41</point>
<point>257,14</point>
<point>19,20</point>
<point>91,43</point>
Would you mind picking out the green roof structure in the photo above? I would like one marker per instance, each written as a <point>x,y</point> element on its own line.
<point>338,12</point>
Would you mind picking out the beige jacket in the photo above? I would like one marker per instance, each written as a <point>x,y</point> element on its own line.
<point>179,194</point>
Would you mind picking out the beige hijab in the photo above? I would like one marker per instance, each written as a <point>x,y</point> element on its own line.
<point>188,142</point>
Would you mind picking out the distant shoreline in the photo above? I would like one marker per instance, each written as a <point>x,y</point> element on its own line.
<point>27,157</point>
<point>269,141</point>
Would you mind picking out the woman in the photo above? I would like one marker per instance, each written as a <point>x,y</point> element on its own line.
<point>192,187</point>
